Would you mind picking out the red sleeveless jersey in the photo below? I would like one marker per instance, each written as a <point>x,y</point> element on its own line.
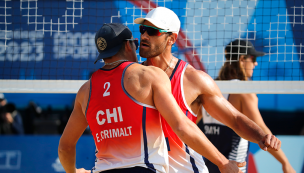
<point>126,132</point>
<point>181,157</point>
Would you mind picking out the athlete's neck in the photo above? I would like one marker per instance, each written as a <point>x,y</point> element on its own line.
<point>166,63</point>
<point>113,62</point>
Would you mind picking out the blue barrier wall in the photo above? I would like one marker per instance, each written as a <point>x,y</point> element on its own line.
<point>292,146</point>
<point>39,154</point>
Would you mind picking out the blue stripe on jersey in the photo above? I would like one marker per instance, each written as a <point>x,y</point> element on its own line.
<point>89,98</point>
<point>122,83</point>
<point>195,169</point>
<point>247,157</point>
<point>149,165</point>
<point>176,66</point>
<point>191,158</point>
<point>168,145</point>
<point>125,91</point>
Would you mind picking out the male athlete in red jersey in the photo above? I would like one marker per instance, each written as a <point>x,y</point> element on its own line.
<point>191,88</point>
<point>119,104</point>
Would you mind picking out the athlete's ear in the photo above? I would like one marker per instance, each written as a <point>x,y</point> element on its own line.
<point>242,59</point>
<point>172,39</point>
<point>128,46</point>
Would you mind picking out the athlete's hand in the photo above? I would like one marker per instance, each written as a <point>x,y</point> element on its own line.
<point>270,142</point>
<point>232,167</point>
<point>82,170</point>
<point>287,168</point>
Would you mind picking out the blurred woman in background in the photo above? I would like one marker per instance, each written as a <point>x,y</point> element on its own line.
<point>240,62</point>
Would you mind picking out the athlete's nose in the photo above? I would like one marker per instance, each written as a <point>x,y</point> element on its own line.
<point>144,35</point>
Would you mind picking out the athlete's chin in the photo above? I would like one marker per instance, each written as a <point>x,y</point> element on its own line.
<point>249,75</point>
<point>144,53</point>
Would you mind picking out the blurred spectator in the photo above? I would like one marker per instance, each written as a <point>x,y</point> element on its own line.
<point>10,121</point>
<point>32,111</point>
<point>4,122</point>
<point>2,100</point>
<point>17,124</point>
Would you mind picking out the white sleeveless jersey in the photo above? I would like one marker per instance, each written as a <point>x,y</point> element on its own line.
<point>232,146</point>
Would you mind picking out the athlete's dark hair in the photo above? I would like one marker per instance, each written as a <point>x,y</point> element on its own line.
<point>232,68</point>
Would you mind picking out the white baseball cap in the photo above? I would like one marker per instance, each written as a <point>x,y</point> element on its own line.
<point>162,18</point>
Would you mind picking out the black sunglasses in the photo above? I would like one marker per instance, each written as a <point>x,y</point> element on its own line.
<point>135,40</point>
<point>152,31</point>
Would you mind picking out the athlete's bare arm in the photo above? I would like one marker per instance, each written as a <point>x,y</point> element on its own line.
<point>154,88</point>
<point>73,131</point>
<point>199,115</point>
<point>248,104</point>
<point>148,85</point>
<point>219,108</point>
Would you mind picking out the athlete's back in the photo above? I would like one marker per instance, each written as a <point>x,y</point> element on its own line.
<point>127,133</point>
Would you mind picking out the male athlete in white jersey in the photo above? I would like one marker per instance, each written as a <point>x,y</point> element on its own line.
<point>120,104</point>
<point>191,88</point>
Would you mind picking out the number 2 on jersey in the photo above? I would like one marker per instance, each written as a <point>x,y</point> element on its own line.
<point>106,85</point>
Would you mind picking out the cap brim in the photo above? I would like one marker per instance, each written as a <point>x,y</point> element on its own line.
<point>256,53</point>
<point>109,53</point>
<point>156,23</point>
<point>139,20</point>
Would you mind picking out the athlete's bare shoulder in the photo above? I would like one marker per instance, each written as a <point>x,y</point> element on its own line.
<point>248,97</point>
<point>139,81</point>
<point>199,80</point>
<point>142,74</point>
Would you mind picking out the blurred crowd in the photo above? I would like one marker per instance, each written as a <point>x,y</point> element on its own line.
<point>10,120</point>
<point>32,119</point>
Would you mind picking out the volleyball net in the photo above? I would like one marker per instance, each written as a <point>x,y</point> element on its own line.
<point>48,46</point>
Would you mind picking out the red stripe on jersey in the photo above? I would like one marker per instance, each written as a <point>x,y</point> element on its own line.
<point>177,93</point>
<point>176,86</point>
<point>181,158</point>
